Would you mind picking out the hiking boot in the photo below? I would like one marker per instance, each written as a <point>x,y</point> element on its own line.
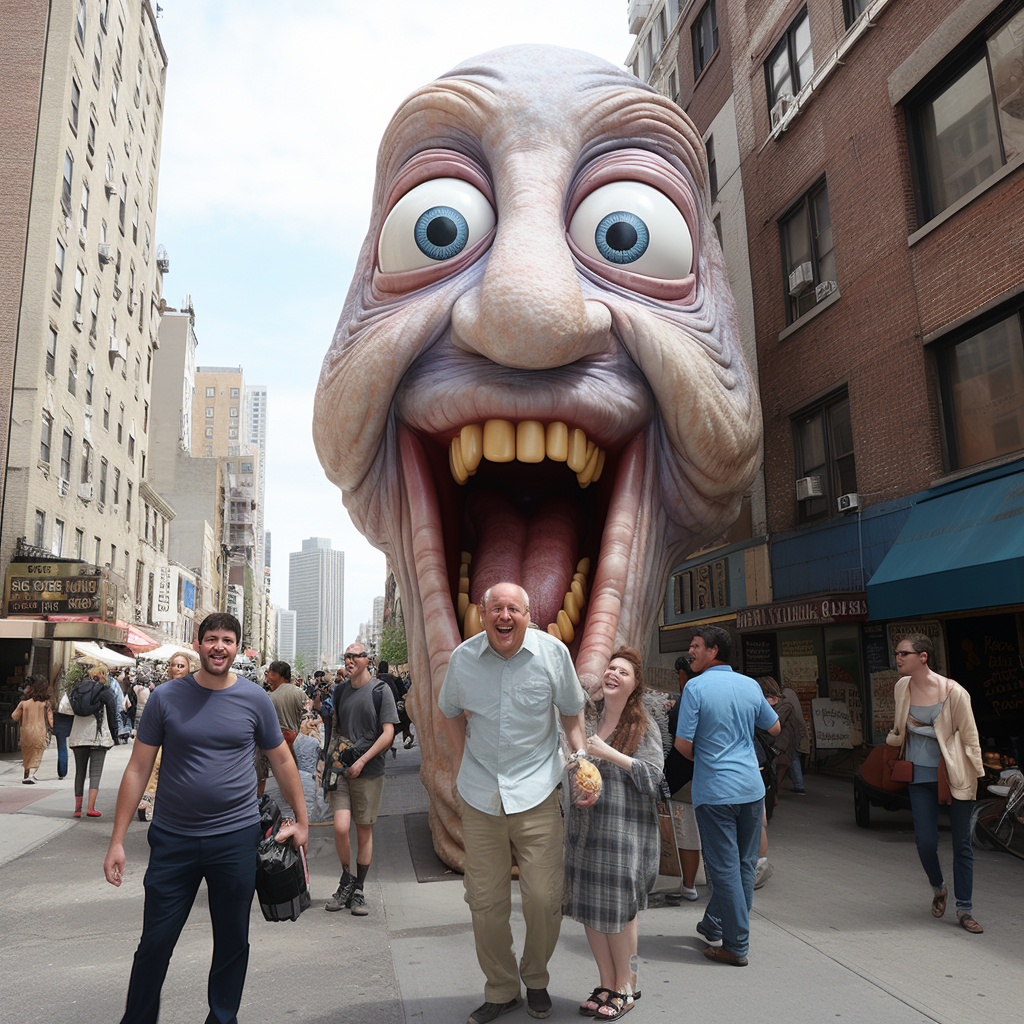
<point>342,899</point>
<point>357,903</point>
<point>487,1012</point>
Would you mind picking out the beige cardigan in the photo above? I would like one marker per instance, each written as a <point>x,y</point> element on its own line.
<point>956,731</point>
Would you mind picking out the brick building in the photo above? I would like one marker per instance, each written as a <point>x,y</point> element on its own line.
<point>880,149</point>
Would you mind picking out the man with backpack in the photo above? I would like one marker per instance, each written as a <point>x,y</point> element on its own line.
<point>364,718</point>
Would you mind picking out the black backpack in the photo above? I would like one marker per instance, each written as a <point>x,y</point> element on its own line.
<point>85,697</point>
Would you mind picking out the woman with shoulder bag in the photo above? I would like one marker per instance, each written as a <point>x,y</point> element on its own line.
<point>934,718</point>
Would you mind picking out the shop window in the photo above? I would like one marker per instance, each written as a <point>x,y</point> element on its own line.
<point>791,64</point>
<point>969,121</point>
<point>982,380</point>
<point>823,457</point>
<point>704,33</point>
<point>808,252</point>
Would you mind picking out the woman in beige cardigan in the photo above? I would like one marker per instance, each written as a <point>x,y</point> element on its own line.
<point>933,715</point>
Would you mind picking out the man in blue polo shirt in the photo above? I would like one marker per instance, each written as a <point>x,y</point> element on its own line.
<point>206,823</point>
<point>718,712</point>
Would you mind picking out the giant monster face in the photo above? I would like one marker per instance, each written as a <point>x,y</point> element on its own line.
<point>536,376</point>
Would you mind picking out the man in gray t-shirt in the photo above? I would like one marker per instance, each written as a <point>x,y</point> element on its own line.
<point>364,713</point>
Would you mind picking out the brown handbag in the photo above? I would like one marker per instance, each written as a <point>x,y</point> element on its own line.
<point>896,772</point>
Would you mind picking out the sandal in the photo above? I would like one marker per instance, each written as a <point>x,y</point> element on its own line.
<point>597,999</point>
<point>616,1006</point>
<point>939,903</point>
<point>970,925</point>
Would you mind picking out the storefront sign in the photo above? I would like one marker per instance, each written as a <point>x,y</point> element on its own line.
<point>831,719</point>
<point>58,588</point>
<point>166,595</point>
<point>818,611</point>
<point>704,588</point>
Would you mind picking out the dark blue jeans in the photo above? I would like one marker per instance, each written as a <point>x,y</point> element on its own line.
<point>62,730</point>
<point>177,864</point>
<point>730,835</point>
<point>924,805</point>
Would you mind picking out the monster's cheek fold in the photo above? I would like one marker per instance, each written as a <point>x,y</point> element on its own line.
<point>433,224</point>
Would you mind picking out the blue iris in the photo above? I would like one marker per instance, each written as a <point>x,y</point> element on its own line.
<point>622,237</point>
<point>441,233</point>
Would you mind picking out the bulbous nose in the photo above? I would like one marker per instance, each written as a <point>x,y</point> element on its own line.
<point>529,311</point>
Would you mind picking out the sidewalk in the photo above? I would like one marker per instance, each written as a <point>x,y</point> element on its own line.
<point>841,931</point>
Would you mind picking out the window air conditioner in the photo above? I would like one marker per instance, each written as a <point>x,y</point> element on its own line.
<point>824,290</point>
<point>801,279</point>
<point>85,491</point>
<point>808,487</point>
<point>849,502</point>
<point>103,251</point>
<point>782,107</point>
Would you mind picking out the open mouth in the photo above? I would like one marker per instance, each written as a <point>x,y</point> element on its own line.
<point>539,504</point>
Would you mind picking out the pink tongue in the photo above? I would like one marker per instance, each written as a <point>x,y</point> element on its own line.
<point>539,553</point>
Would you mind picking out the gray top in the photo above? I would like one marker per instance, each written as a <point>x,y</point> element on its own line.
<point>922,746</point>
<point>512,759</point>
<point>207,778</point>
<point>357,718</point>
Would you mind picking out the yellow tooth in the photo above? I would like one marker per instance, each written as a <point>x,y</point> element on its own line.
<point>599,468</point>
<point>463,584</point>
<point>577,588</point>
<point>577,454</point>
<point>455,462</point>
<point>473,623</point>
<point>565,627</point>
<point>464,571</point>
<point>463,605</point>
<point>586,476</point>
<point>467,558</point>
<point>572,608</point>
<point>471,441</point>
<point>583,566</point>
<point>581,579</point>
<point>530,441</point>
<point>557,442</point>
<point>554,631</point>
<point>499,441</point>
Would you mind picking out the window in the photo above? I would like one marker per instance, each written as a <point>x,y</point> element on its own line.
<point>97,547</point>
<point>246,467</point>
<point>135,223</point>
<point>117,487</point>
<point>128,503</point>
<point>705,38</point>
<point>970,122</point>
<point>233,412</point>
<point>79,285</point>
<point>51,352</point>
<point>73,373</point>
<point>712,167</point>
<point>83,215</point>
<point>983,391</point>
<point>39,537</point>
<point>232,433</point>
<point>65,457</point>
<point>113,556</point>
<point>79,542</point>
<point>209,433</point>
<point>85,476</point>
<point>76,102</point>
<point>808,255</point>
<point>138,84</point>
<point>90,140</point>
<point>234,394</point>
<point>823,442</point>
<point>791,64</point>
<point>211,392</point>
<point>58,270</point>
<point>113,100</point>
<point>80,23</point>
<point>145,417</point>
<point>853,9</point>
<point>106,410</point>
<point>120,424</point>
<point>97,59</point>
<point>131,447</point>
<point>94,312</point>
<point>209,412</point>
<point>146,243</point>
<point>122,203</point>
<point>45,436</point>
<point>90,380</point>
<point>103,482</point>
<point>58,536</point>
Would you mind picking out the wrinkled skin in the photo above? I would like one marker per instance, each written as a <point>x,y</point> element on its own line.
<point>524,325</point>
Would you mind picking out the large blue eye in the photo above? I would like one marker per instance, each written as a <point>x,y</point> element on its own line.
<point>432,223</point>
<point>441,233</point>
<point>622,237</point>
<point>634,226</point>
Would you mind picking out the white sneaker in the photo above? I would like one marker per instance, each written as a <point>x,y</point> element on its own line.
<point>764,872</point>
<point>688,894</point>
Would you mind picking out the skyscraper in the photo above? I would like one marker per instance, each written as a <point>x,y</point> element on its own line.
<point>316,587</point>
<point>286,634</point>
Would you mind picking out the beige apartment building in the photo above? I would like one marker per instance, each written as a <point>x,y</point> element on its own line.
<point>88,302</point>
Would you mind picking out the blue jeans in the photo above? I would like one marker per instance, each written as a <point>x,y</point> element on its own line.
<point>177,864</point>
<point>796,771</point>
<point>730,835</point>
<point>62,730</point>
<point>924,805</point>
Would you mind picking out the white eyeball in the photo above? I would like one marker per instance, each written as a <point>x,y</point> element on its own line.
<point>633,226</point>
<point>433,223</point>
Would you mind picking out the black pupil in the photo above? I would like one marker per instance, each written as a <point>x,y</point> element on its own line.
<point>621,236</point>
<point>442,231</point>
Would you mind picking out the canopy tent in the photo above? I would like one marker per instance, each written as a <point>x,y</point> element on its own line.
<point>166,651</point>
<point>136,641</point>
<point>93,652</point>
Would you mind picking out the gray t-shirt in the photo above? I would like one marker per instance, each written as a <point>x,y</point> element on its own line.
<point>357,718</point>
<point>207,778</point>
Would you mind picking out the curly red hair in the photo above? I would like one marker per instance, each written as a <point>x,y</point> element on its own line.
<point>633,720</point>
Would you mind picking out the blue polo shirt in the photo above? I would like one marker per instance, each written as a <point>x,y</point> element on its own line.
<point>717,714</point>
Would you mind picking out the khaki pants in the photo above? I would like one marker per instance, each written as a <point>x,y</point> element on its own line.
<point>536,837</point>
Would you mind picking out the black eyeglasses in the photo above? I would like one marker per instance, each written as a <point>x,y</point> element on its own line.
<point>357,654</point>
<point>905,654</point>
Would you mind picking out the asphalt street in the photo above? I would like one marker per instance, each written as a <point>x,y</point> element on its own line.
<point>842,930</point>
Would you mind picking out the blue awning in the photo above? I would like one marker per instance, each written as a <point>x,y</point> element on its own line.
<point>962,547</point>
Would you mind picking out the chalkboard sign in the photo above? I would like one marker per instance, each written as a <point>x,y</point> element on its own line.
<point>831,722</point>
<point>760,655</point>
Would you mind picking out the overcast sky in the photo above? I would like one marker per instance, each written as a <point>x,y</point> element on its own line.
<point>273,115</point>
